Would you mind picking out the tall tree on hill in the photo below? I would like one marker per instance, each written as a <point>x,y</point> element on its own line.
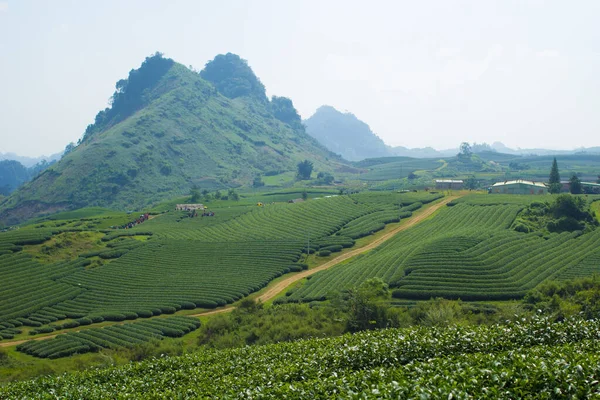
<point>195,194</point>
<point>304,169</point>
<point>465,150</point>
<point>575,185</point>
<point>554,180</point>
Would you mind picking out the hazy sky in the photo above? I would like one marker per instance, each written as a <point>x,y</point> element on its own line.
<point>420,73</point>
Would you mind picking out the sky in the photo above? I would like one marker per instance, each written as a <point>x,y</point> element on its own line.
<point>420,73</point>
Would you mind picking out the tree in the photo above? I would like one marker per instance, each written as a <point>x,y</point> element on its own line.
<point>412,176</point>
<point>554,179</point>
<point>465,150</point>
<point>575,185</point>
<point>325,177</point>
<point>304,195</point>
<point>258,182</point>
<point>232,194</point>
<point>218,194</point>
<point>304,169</point>
<point>598,181</point>
<point>69,148</point>
<point>364,309</point>
<point>195,194</point>
<point>471,183</point>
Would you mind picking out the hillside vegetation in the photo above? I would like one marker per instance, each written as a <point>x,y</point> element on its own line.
<point>527,359</point>
<point>167,130</point>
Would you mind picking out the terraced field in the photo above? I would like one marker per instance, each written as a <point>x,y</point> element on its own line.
<point>186,263</point>
<point>111,337</point>
<point>467,252</point>
<point>400,168</point>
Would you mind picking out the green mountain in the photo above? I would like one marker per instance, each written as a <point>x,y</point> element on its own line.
<point>344,134</point>
<point>167,130</point>
<point>12,175</point>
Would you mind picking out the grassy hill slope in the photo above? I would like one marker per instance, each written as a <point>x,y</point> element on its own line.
<point>169,129</point>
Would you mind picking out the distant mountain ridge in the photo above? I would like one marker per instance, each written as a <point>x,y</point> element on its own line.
<point>345,134</point>
<point>170,129</point>
<point>29,161</point>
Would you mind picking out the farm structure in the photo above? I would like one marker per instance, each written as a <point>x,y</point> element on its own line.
<point>449,184</point>
<point>588,187</point>
<point>189,207</point>
<point>519,187</point>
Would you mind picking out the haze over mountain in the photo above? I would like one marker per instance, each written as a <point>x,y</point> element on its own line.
<point>169,129</point>
<point>30,161</point>
<point>345,134</point>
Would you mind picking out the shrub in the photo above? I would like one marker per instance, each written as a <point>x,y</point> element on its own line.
<point>333,248</point>
<point>96,318</point>
<point>45,329</point>
<point>144,314</point>
<point>68,324</point>
<point>324,253</point>
<point>186,305</point>
<point>114,317</point>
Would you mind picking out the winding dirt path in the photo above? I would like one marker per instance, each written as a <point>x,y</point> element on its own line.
<point>280,286</point>
<point>419,217</point>
<point>18,342</point>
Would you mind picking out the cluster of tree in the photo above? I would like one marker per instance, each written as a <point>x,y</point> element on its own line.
<point>258,182</point>
<point>369,307</point>
<point>516,166</point>
<point>196,196</point>
<point>283,109</point>
<point>566,213</point>
<point>566,298</point>
<point>482,147</point>
<point>465,151</point>
<point>304,170</point>
<point>324,178</point>
<point>233,78</point>
<point>130,93</point>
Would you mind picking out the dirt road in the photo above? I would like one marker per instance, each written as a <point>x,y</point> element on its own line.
<point>280,286</point>
<point>18,342</point>
<point>419,217</point>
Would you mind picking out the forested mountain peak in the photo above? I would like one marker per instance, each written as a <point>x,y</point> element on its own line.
<point>132,93</point>
<point>233,77</point>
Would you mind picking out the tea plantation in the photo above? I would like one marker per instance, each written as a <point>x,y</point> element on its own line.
<point>468,251</point>
<point>183,263</point>
<point>527,359</point>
